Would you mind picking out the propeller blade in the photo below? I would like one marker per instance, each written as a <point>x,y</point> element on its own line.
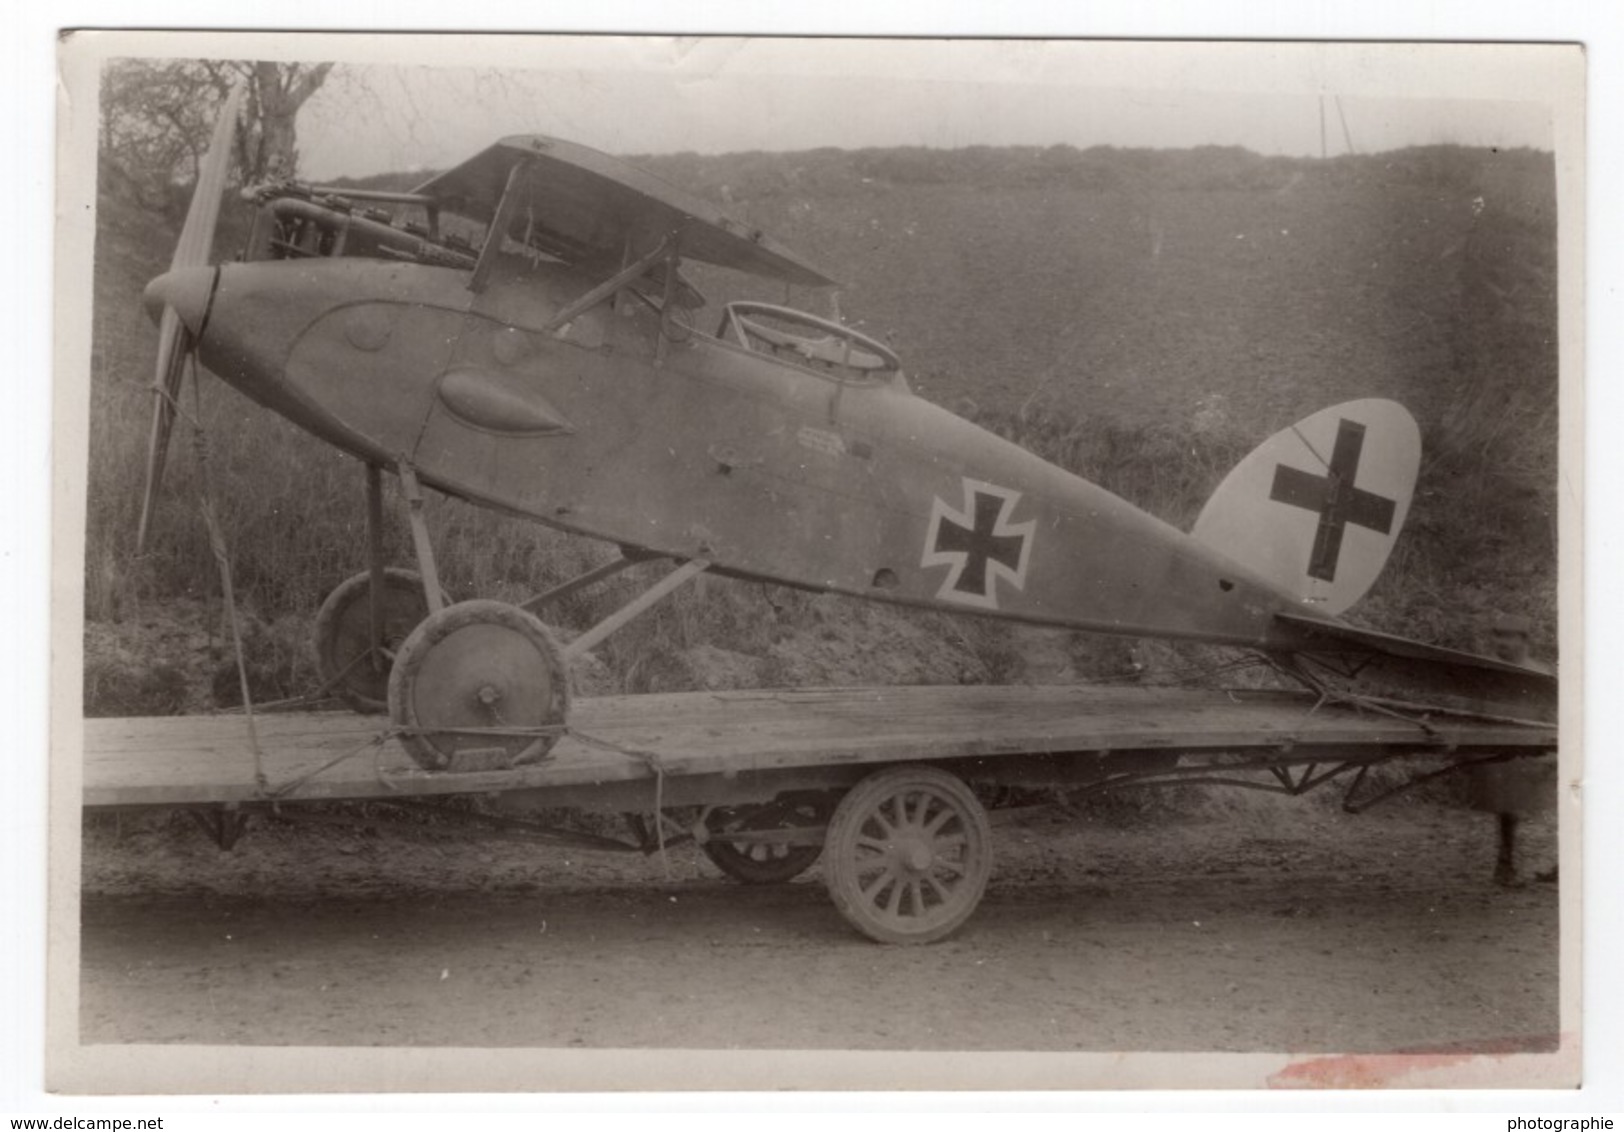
<point>197,236</point>
<point>172,349</point>
<point>174,341</point>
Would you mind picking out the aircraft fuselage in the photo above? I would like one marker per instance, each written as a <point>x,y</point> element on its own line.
<point>700,447</point>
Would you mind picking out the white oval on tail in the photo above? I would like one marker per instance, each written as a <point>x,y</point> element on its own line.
<point>1317,507</point>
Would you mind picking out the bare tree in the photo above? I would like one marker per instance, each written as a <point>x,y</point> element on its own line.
<point>268,146</point>
<point>156,116</point>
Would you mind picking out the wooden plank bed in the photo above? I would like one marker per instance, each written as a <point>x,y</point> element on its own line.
<point>204,760</point>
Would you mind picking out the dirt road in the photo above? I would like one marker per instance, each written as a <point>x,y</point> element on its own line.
<point>1275,925</point>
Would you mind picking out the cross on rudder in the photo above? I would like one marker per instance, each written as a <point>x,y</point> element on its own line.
<point>1339,503</point>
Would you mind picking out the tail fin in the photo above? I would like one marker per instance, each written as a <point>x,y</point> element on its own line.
<point>1317,507</point>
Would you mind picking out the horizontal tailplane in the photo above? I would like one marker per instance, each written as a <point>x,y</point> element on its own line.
<point>1365,662</point>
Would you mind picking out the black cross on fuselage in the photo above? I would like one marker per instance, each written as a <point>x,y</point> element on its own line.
<point>979,544</point>
<point>1333,495</point>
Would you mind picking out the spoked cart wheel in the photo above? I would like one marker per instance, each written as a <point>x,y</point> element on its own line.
<point>350,666</point>
<point>765,861</point>
<point>479,685</point>
<point>908,854</point>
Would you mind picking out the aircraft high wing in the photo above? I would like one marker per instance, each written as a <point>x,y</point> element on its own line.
<point>587,206</point>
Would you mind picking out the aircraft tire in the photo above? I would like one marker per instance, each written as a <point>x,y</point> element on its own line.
<point>343,626</point>
<point>480,685</point>
<point>908,854</point>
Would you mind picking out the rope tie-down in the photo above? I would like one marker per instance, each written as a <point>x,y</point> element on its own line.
<point>387,777</point>
<point>222,559</point>
<point>651,760</point>
<point>220,551</point>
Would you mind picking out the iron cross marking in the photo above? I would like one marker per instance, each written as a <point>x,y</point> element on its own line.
<point>979,544</point>
<point>1337,500</point>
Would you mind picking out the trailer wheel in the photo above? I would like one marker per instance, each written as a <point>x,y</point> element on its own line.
<point>755,862</point>
<point>479,685</point>
<point>908,854</point>
<point>344,631</point>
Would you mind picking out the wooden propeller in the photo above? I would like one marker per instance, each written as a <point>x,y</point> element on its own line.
<point>174,340</point>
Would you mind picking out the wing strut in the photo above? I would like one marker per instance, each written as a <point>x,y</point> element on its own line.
<point>678,578</point>
<point>500,223</point>
<point>608,287</point>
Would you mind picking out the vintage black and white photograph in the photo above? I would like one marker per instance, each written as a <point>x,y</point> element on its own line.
<point>765,552</point>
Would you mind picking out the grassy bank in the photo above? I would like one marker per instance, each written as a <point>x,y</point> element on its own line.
<point>1143,320</point>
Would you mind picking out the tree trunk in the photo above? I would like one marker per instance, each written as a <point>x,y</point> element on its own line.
<point>280,90</point>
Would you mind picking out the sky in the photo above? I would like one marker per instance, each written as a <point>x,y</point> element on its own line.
<point>664,94</point>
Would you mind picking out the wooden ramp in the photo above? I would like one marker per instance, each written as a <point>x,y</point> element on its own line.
<point>199,760</point>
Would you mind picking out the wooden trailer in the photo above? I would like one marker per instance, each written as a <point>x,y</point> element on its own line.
<point>890,786</point>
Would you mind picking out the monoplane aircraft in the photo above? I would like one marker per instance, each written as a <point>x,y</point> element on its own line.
<point>518,332</point>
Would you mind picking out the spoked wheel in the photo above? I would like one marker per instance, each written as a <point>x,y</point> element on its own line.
<point>908,854</point>
<point>764,861</point>
<point>351,664</point>
<point>479,685</point>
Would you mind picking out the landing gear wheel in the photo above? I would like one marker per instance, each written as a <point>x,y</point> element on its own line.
<point>758,862</point>
<point>908,854</point>
<point>350,666</point>
<point>479,685</point>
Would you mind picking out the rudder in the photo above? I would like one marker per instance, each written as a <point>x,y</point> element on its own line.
<point>1318,506</point>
